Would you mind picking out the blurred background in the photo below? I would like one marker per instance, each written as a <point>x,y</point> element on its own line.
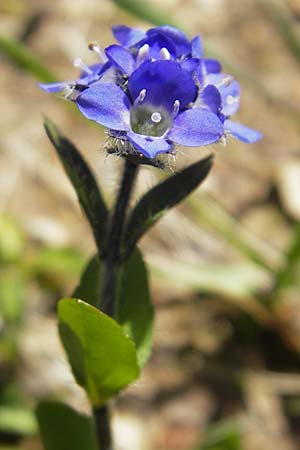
<point>224,266</point>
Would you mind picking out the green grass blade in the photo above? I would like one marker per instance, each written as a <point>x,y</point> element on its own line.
<point>22,57</point>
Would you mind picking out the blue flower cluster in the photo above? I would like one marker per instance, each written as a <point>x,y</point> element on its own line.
<point>156,89</point>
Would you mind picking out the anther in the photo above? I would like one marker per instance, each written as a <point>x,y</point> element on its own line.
<point>94,47</point>
<point>226,81</point>
<point>164,53</point>
<point>231,99</point>
<point>142,96</point>
<point>79,63</point>
<point>143,53</point>
<point>176,108</point>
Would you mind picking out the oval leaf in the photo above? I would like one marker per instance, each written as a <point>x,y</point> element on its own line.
<point>83,181</point>
<point>64,428</point>
<point>161,198</point>
<point>135,311</point>
<point>89,288</point>
<point>102,358</point>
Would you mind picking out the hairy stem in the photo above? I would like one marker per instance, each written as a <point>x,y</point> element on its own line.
<point>109,275</point>
<point>111,256</point>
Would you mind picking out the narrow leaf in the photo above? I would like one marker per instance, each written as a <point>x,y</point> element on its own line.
<point>102,357</point>
<point>63,428</point>
<point>135,311</point>
<point>21,56</point>
<point>82,180</point>
<point>161,198</point>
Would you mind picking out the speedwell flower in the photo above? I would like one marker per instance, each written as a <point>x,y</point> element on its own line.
<point>154,110</point>
<point>155,89</point>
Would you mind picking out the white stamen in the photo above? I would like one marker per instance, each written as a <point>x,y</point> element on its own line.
<point>94,47</point>
<point>143,53</point>
<point>176,107</point>
<point>164,53</point>
<point>142,96</point>
<point>231,100</point>
<point>156,117</point>
<point>79,63</point>
<point>226,81</point>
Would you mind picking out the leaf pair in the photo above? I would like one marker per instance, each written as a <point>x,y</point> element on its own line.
<point>147,211</point>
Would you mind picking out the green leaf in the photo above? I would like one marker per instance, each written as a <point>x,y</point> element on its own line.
<point>89,287</point>
<point>21,56</point>
<point>135,311</point>
<point>63,428</point>
<point>102,357</point>
<point>83,181</point>
<point>161,198</point>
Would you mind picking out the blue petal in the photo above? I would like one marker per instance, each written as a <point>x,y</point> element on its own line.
<point>195,127</point>
<point>165,82</point>
<point>55,87</point>
<point>127,36</point>
<point>156,42</point>
<point>149,146</point>
<point>242,133</point>
<point>107,104</point>
<point>190,64</point>
<point>230,92</point>
<point>212,65</point>
<point>120,57</point>
<point>177,37</point>
<point>211,97</point>
<point>197,48</point>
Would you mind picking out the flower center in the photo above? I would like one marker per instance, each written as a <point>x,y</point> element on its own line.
<point>150,120</point>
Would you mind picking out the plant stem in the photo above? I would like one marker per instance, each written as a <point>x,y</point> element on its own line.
<point>102,427</point>
<point>111,255</point>
<point>109,274</point>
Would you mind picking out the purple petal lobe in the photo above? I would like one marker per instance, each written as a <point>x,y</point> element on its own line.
<point>197,48</point>
<point>177,37</point>
<point>211,97</point>
<point>107,104</point>
<point>165,82</point>
<point>229,89</point>
<point>190,64</point>
<point>242,133</point>
<point>55,87</point>
<point>120,57</point>
<point>149,146</point>
<point>212,65</point>
<point>127,36</point>
<point>195,127</point>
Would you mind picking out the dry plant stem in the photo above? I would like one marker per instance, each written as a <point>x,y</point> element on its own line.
<point>109,274</point>
<point>111,256</point>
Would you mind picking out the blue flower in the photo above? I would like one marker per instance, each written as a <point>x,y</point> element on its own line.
<point>154,111</point>
<point>155,89</point>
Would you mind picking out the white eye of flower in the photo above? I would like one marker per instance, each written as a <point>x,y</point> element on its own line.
<point>149,120</point>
